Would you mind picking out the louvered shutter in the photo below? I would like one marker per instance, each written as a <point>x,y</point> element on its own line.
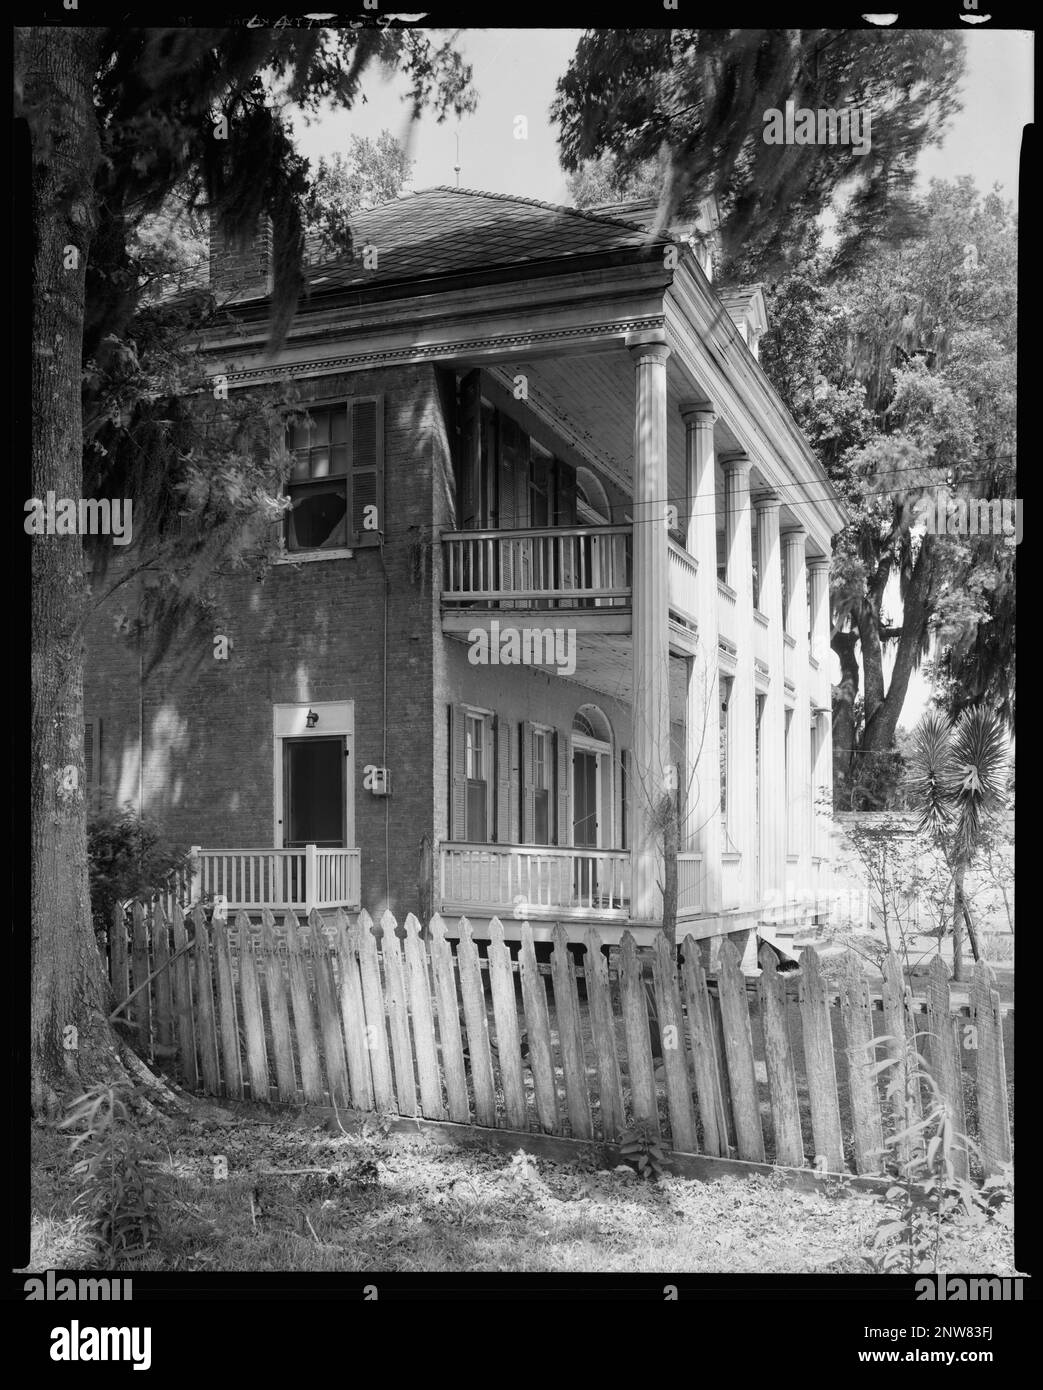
<point>528,826</point>
<point>624,798</point>
<point>366,419</point>
<point>457,772</point>
<point>504,752</point>
<point>566,495</point>
<point>469,463</point>
<point>563,759</point>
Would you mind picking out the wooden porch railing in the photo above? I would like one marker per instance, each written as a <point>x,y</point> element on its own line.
<point>298,879</point>
<point>683,569</point>
<point>536,878</point>
<point>559,567</point>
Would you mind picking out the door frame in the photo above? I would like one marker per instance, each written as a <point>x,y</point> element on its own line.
<point>602,759</point>
<point>336,720</point>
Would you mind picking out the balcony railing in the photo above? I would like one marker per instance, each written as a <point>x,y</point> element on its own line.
<point>726,612</point>
<point>549,567</point>
<point>789,657</point>
<point>523,879</point>
<point>760,638</point>
<point>281,879</point>
<point>683,570</point>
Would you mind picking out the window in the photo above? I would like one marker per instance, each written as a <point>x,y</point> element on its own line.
<point>792,841</point>
<point>477,757</point>
<point>336,481</point>
<point>541,772</point>
<point>726,690</point>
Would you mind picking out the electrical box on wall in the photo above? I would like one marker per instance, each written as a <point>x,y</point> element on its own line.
<point>376,780</point>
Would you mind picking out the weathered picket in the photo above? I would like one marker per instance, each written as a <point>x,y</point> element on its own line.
<point>402,1019</point>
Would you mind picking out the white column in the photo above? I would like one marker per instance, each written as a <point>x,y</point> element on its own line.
<point>773,719</point>
<point>793,541</point>
<point>702,829</point>
<point>742,771</point>
<point>822,773</point>
<point>651,650</point>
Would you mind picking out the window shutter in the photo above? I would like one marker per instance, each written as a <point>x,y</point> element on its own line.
<point>510,465</point>
<point>469,463</point>
<point>527,771</point>
<point>457,772</point>
<point>91,759</point>
<point>623,792</point>
<point>566,500</point>
<point>367,471</point>
<point>503,779</point>
<point>563,758</point>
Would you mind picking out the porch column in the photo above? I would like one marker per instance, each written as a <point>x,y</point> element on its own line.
<point>818,575</point>
<point>702,828</point>
<point>650,603</point>
<point>799,818</point>
<point>773,719</point>
<point>742,713</point>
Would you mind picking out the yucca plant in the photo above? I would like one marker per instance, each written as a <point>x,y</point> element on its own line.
<point>958,782</point>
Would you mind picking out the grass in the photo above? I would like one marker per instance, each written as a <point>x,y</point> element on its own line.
<point>407,1203</point>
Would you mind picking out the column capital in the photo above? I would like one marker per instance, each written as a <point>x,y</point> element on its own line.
<point>698,412</point>
<point>794,533</point>
<point>767,501</point>
<point>737,463</point>
<point>648,346</point>
<point>818,564</point>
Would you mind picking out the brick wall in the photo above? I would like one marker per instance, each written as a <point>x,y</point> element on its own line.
<point>241,270</point>
<point>308,633</point>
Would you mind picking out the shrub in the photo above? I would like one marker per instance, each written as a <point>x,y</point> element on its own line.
<point>128,857</point>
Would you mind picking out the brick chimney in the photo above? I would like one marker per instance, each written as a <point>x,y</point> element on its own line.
<point>241,272</point>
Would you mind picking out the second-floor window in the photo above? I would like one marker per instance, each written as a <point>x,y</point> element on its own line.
<point>477,778</point>
<point>541,775</point>
<point>336,482</point>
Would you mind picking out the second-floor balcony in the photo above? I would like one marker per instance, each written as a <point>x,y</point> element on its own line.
<point>582,570</point>
<point>576,567</point>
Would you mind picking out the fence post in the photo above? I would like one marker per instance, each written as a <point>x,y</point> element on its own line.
<point>310,865</point>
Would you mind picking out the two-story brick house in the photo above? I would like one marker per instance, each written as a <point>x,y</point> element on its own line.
<point>557,553</point>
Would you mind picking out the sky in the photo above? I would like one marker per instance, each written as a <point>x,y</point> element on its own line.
<point>515,72</point>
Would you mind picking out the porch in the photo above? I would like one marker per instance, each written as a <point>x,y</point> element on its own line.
<point>537,882</point>
<point>586,571</point>
<point>281,880</point>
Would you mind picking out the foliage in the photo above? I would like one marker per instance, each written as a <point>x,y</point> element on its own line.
<point>129,857</point>
<point>599,181</point>
<point>374,172</point>
<point>118,1195</point>
<point>641,1148</point>
<point>902,375</point>
<point>958,781</point>
<point>931,1195</point>
<point>694,99</point>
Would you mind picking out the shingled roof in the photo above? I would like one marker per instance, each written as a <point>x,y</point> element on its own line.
<point>447,231</point>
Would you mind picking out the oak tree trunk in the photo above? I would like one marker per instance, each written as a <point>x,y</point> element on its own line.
<point>72,1044</point>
